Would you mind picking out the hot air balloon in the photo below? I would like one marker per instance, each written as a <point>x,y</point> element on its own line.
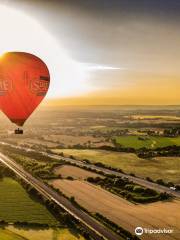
<point>24,82</point>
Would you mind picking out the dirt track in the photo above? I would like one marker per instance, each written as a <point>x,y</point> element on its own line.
<point>154,216</point>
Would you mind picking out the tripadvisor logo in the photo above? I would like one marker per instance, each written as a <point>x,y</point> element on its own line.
<point>139,231</point>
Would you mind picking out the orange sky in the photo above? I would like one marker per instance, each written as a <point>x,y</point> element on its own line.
<point>141,90</point>
<point>100,54</point>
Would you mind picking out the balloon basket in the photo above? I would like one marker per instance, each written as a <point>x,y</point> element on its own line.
<point>18,131</point>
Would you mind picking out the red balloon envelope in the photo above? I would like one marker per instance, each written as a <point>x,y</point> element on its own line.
<point>24,81</point>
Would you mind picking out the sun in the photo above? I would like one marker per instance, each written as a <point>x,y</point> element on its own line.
<point>20,32</point>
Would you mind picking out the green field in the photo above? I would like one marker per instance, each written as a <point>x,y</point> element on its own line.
<point>167,168</point>
<point>11,233</point>
<point>150,142</point>
<point>16,205</point>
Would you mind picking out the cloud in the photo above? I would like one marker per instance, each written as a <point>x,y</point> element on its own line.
<point>98,67</point>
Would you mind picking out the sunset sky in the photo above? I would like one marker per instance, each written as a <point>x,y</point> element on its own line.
<point>100,51</point>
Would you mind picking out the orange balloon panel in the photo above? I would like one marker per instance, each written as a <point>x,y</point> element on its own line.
<point>24,81</point>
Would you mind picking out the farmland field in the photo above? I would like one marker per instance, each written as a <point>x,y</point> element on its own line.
<point>16,205</point>
<point>150,142</point>
<point>140,117</point>
<point>128,215</point>
<point>8,235</point>
<point>11,233</point>
<point>167,168</point>
<point>64,140</point>
<point>75,172</point>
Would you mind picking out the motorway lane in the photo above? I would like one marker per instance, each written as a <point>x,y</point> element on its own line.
<point>137,180</point>
<point>95,228</point>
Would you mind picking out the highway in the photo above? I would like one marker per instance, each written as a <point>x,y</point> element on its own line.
<point>137,180</point>
<point>96,230</point>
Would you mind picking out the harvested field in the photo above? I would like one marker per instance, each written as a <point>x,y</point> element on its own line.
<point>69,140</point>
<point>75,172</point>
<point>168,118</point>
<point>31,141</point>
<point>129,216</point>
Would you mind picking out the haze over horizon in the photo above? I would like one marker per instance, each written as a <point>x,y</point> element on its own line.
<point>118,52</point>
